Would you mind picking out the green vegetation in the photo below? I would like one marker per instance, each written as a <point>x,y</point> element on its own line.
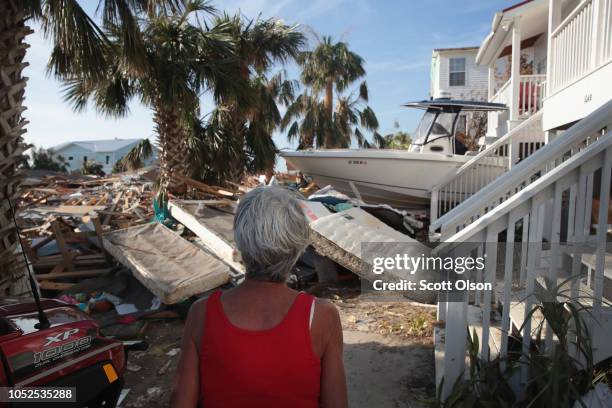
<point>399,139</point>
<point>330,66</point>
<point>558,376</point>
<point>135,158</point>
<point>181,60</point>
<point>43,159</point>
<point>93,168</point>
<point>237,136</point>
<point>79,46</point>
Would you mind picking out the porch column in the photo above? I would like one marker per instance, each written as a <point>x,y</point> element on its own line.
<point>492,117</point>
<point>491,83</point>
<point>515,72</point>
<point>554,19</point>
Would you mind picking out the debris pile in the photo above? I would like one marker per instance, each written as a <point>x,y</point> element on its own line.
<point>82,232</point>
<point>66,220</point>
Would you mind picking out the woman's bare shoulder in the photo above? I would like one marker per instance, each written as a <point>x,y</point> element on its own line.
<point>194,326</point>
<point>326,311</point>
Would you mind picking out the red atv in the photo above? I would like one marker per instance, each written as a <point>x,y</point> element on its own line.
<point>57,345</point>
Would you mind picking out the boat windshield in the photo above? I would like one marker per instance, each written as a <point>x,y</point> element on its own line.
<point>423,128</point>
<point>443,126</point>
<point>434,125</point>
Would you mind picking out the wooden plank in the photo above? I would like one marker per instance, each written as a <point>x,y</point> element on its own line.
<point>215,233</point>
<point>67,210</point>
<point>61,243</point>
<point>76,274</point>
<point>48,285</point>
<point>113,207</point>
<point>98,228</point>
<point>214,190</point>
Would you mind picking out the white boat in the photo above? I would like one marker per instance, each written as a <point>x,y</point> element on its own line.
<point>400,178</point>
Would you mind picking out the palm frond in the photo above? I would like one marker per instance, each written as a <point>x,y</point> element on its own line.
<point>138,155</point>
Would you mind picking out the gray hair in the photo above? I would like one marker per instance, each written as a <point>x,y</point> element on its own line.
<point>271,232</point>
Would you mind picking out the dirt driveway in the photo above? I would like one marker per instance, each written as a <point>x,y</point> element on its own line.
<point>388,354</point>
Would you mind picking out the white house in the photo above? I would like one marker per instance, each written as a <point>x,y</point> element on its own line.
<point>550,62</point>
<point>548,55</point>
<point>455,74</point>
<point>105,152</point>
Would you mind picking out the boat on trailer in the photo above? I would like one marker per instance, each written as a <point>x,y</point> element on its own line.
<point>400,178</point>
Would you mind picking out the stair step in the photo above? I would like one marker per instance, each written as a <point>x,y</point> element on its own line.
<point>474,318</point>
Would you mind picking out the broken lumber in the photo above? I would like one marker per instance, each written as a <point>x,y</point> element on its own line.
<point>215,228</point>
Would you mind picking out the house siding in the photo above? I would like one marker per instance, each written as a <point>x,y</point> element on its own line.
<point>78,153</point>
<point>476,76</point>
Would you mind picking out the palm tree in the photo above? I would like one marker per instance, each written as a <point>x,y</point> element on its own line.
<point>305,119</point>
<point>331,65</point>
<point>240,128</point>
<point>136,157</point>
<point>398,140</point>
<point>78,45</point>
<point>182,61</point>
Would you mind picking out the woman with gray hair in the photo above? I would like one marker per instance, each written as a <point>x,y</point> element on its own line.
<point>263,344</point>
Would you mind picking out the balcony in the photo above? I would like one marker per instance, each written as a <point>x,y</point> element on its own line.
<point>532,90</point>
<point>531,93</point>
<point>580,63</point>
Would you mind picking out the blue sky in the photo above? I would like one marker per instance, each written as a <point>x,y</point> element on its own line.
<point>395,37</point>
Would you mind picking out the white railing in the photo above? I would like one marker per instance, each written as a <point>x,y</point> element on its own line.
<point>581,43</point>
<point>606,52</point>
<point>502,95</point>
<point>557,205</point>
<point>530,100</point>
<point>485,167</point>
<point>524,173</point>
<point>531,94</point>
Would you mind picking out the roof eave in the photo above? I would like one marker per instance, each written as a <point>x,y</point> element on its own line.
<point>482,57</point>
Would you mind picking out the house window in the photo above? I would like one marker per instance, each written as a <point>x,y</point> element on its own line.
<point>70,158</point>
<point>107,159</point>
<point>456,72</point>
<point>84,159</point>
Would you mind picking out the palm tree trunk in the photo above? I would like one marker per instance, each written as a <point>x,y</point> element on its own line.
<point>173,150</point>
<point>237,167</point>
<point>328,105</point>
<point>12,126</point>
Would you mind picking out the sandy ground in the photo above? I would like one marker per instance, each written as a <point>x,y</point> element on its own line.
<point>388,354</point>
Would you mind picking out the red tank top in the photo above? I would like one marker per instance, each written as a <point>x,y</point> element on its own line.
<point>268,368</point>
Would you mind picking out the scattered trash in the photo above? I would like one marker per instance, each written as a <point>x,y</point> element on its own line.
<point>126,308</point>
<point>133,367</point>
<point>155,303</point>
<point>122,395</point>
<point>173,352</point>
<point>164,368</point>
